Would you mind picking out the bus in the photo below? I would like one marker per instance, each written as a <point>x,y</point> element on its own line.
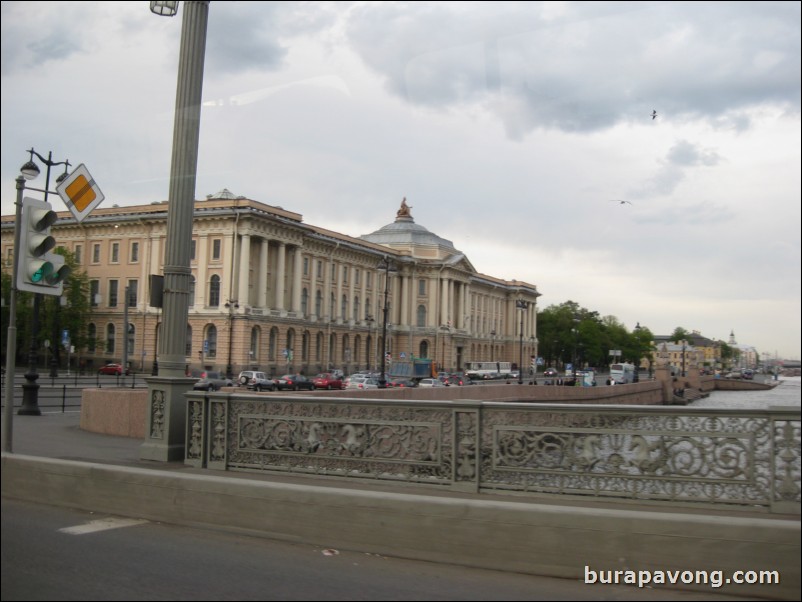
<point>622,374</point>
<point>488,370</point>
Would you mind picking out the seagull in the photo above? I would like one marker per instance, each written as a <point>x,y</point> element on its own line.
<point>620,202</point>
<point>654,114</point>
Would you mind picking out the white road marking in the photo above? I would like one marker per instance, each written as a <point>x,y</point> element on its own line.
<point>103,524</point>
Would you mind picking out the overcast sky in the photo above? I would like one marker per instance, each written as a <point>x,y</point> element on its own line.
<point>511,128</point>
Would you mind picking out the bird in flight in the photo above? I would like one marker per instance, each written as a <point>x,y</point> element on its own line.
<point>620,202</point>
<point>654,114</point>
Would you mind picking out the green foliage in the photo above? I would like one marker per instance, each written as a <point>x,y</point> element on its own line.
<point>54,317</point>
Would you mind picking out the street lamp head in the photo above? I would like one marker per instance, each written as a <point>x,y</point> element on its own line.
<point>30,170</point>
<point>164,8</point>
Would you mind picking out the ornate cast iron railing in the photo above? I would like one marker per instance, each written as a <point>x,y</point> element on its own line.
<point>666,454</point>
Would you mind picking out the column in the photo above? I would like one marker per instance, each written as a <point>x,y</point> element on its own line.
<point>444,286</point>
<point>338,300</point>
<point>404,300</point>
<point>261,277</point>
<point>281,261</point>
<point>202,251</point>
<point>297,272</point>
<point>243,295</point>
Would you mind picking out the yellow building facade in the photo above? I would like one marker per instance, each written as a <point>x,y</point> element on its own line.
<point>276,294</point>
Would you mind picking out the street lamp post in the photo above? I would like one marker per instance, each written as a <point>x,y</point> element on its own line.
<point>231,305</point>
<point>30,390</point>
<point>523,306</point>
<point>165,429</point>
<point>493,345</point>
<point>385,265</point>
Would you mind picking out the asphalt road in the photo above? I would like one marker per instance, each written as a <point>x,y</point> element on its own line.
<point>151,561</point>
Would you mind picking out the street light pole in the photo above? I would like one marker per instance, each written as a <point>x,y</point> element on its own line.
<point>232,305</point>
<point>384,265</point>
<point>165,429</point>
<point>30,390</point>
<point>523,306</point>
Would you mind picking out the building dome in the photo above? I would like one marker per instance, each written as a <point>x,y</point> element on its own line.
<point>405,234</point>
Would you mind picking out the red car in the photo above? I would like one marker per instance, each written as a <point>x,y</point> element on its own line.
<point>328,381</point>
<point>116,369</point>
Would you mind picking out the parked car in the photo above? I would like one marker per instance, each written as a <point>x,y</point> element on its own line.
<point>353,381</point>
<point>430,382</point>
<point>257,381</point>
<point>748,374</point>
<point>294,382</point>
<point>402,382</point>
<point>212,381</point>
<point>456,379</point>
<point>328,381</point>
<point>115,369</point>
<point>551,372</point>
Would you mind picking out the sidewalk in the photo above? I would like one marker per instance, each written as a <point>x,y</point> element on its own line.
<point>54,460</point>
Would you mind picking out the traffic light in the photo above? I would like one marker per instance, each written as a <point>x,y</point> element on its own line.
<point>39,270</point>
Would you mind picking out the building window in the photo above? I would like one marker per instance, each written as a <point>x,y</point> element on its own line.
<point>356,308</point>
<point>216,249</point>
<point>110,338</point>
<point>115,252</point>
<point>94,292</point>
<point>421,287</point>
<point>356,277</point>
<point>319,270</point>
<point>306,266</point>
<point>421,316</point>
<point>134,252</point>
<point>305,302</point>
<point>96,253</point>
<point>188,350</point>
<point>318,303</point>
<point>91,333</point>
<point>272,344</point>
<point>133,293</point>
<point>344,308</point>
<point>369,279</point>
<point>305,346</point>
<point>254,350</point>
<point>367,308</point>
<point>192,246</point>
<point>214,291</point>
<point>319,347</point>
<point>211,339</point>
<point>114,286</point>
<point>192,291</point>
<point>79,254</point>
<point>423,350</point>
<point>345,274</point>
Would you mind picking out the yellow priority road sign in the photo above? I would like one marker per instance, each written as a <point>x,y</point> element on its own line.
<point>80,193</point>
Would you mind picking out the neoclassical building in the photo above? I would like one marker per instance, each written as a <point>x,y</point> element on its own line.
<point>271,292</point>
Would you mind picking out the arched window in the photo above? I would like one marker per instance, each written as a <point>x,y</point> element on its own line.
<point>290,347</point>
<point>272,344</point>
<point>253,352</point>
<point>91,334</point>
<point>214,291</point>
<point>211,338</point>
<point>110,336</point>
<point>367,307</point>
<point>423,350</point>
<point>421,317</point>
<point>305,347</point>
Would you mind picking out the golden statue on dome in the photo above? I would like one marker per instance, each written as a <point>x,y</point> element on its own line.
<point>404,210</point>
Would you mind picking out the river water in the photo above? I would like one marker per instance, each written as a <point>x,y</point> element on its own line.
<point>787,393</point>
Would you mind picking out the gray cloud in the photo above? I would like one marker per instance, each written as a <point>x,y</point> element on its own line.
<point>584,69</point>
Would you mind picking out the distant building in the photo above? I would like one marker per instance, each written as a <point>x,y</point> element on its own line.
<point>273,293</point>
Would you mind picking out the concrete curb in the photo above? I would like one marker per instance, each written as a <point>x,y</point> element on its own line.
<point>519,536</point>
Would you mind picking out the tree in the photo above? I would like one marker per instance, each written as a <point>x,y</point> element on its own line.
<point>680,334</point>
<point>53,317</point>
